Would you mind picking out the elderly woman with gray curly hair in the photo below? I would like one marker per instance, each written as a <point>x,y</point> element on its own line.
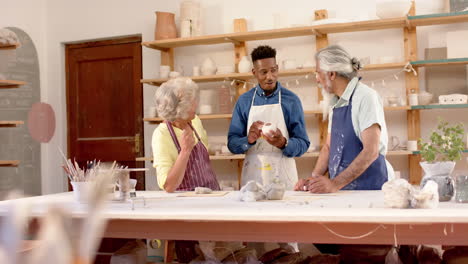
<point>180,143</point>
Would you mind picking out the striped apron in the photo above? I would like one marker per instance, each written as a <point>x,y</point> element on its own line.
<point>199,172</point>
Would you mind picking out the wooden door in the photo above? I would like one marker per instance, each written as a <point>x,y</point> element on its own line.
<point>105,102</point>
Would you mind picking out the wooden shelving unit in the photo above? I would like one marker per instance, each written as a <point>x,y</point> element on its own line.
<point>9,163</point>
<point>438,19</point>
<point>439,106</point>
<point>306,155</point>
<point>445,62</point>
<point>320,33</point>
<point>11,123</point>
<point>282,73</point>
<point>240,37</point>
<point>157,120</point>
<point>8,84</point>
<point>9,46</point>
<point>379,24</point>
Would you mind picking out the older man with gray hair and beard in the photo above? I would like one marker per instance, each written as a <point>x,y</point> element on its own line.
<point>354,153</point>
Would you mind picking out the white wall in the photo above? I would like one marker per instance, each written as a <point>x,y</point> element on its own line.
<point>62,21</point>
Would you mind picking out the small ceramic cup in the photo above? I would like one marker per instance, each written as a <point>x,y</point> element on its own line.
<point>412,145</point>
<point>196,71</point>
<point>413,99</point>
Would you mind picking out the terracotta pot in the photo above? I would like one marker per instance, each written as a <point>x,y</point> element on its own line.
<point>165,26</point>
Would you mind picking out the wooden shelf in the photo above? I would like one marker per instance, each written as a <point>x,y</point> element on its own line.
<point>231,76</point>
<point>278,33</point>
<point>9,163</point>
<point>397,108</point>
<point>9,46</point>
<point>306,155</point>
<point>11,123</point>
<point>158,120</point>
<point>418,152</point>
<point>282,73</point>
<point>378,24</point>
<point>438,19</point>
<point>399,153</point>
<point>384,66</point>
<point>438,106</point>
<point>429,63</point>
<point>6,84</point>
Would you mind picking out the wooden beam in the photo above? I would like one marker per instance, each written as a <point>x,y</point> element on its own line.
<point>167,58</point>
<point>240,165</point>
<point>321,41</point>
<point>412,87</point>
<point>240,50</point>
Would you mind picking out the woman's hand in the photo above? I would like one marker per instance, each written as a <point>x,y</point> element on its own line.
<point>187,142</point>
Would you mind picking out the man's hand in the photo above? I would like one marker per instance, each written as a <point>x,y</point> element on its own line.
<point>321,184</point>
<point>276,139</point>
<point>255,132</point>
<point>302,185</point>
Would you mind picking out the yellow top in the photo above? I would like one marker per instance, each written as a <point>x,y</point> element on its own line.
<point>164,149</point>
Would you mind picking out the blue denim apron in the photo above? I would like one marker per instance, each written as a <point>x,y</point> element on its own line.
<point>345,146</point>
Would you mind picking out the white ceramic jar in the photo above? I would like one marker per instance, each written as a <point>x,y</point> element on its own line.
<point>392,8</point>
<point>244,65</point>
<point>208,67</point>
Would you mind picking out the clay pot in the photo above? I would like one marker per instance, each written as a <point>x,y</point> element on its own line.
<point>244,65</point>
<point>165,26</point>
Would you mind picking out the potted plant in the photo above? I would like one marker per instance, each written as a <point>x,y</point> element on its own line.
<point>445,146</point>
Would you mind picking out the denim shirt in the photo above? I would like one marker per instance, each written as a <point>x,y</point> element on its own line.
<point>298,141</point>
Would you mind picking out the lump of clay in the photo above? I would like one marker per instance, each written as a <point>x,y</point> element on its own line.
<point>203,190</point>
<point>397,193</point>
<point>275,190</point>
<point>427,198</point>
<point>268,129</point>
<point>252,192</point>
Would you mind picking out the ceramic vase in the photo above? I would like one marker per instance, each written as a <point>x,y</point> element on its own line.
<point>244,65</point>
<point>392,8</point>
<point>440,173</point>
<point>208,67</point>
<point>165,26</point>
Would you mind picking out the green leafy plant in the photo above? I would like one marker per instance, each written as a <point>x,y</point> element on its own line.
<point>446,143</point>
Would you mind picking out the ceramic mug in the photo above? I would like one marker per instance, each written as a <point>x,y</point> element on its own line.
<point>289,64</point>
<point>413,99</point>
<point>412,145</point>
<point>196,71</point>
<point>164,71</point>
<point>152,111</point>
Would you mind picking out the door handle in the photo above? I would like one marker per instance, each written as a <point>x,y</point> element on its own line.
<point>136,140</point>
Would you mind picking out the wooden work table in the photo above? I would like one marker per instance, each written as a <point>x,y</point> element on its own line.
<point>353,217</point>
